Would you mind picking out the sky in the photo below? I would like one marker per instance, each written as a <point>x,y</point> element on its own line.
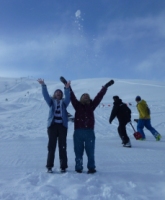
<point>136,173</point>
<point>82,39</point>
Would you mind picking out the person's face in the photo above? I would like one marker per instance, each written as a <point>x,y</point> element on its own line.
<point>85,97</point>
<point>58,95</point>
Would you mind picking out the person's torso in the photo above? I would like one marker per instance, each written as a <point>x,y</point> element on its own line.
<point>84,116</point>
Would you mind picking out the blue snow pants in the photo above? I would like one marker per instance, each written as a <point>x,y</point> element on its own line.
<point>84,139</point>
<point>146,123</point>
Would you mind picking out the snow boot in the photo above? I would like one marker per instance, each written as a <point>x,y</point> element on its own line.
<point>91,171</point>
<point>78,171</point>
<point>128,144</point>
<point>158,137</point>
<point>49,170</point>
<point>63,170</point>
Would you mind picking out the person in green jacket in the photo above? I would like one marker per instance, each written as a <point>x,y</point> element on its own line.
<point>145,119</point>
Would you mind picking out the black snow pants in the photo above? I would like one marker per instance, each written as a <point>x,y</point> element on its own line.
<point>122,132</point>
<point>57,132</point>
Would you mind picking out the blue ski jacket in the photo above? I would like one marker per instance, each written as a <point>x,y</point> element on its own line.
<point>52,103</point>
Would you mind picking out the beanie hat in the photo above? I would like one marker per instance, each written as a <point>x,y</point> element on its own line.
<point>138,98</point>
<point>115,98</point>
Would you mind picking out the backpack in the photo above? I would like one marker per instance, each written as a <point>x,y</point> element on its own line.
<point>125,112</point>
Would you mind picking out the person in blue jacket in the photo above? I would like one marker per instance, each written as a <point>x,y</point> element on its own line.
<point>57,124</point>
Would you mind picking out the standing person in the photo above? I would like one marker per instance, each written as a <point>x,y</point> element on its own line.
<point>84,136</point>
<point>57,124</point>
<point>145,119</point>
<point>123,114</point>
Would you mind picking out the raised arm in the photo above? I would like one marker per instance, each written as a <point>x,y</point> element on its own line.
<point>100,95</point>
<point>74,100</point>
<point>67,94</point>
<point>45,92</point>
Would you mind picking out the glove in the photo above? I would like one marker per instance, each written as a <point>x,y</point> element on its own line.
<point>111,82</point>
<point>136,120</point>
<point>63,80</point>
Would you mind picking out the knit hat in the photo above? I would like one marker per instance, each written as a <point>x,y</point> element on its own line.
<point>138,98</point>
<point>115,98</point>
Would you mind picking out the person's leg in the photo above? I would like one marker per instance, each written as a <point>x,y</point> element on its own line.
<point>62,146</point>
<point>90,148</point>
<point>150,128</point>
<point>123,133</point>
<point>140,127</point>
<point>52,140</point>
<point>78,149</point>
<point>119,132</point>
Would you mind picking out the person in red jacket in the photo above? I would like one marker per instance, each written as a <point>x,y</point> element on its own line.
<point>84,136</point>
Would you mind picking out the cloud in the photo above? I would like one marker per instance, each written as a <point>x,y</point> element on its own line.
<point>44,54</point>
<point>128,30</point>
<point>136,43</point>
<point>153,62</point>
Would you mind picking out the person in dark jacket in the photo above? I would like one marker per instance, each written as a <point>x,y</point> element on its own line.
<point>84,136</point>
<point>123,114</point>
<point>57,124</point>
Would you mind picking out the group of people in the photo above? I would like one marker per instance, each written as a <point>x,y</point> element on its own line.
<point>84,136</point>
<point>123,113</point>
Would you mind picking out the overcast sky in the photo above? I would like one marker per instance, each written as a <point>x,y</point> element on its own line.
<point>82,39</point>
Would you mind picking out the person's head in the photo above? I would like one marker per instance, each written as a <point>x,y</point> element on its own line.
<point>116,98</point>
<point>138,98</point>
<point>85,98</point>
<point>58,94</point>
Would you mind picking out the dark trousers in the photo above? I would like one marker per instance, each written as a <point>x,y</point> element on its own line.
<point>122,132</point>
<point>57,132</point>
<point>84,139</point>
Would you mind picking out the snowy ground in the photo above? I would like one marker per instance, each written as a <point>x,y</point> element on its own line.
<point>136,173</point>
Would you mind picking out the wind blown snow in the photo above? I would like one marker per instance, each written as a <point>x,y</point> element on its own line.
<point>136,173</point>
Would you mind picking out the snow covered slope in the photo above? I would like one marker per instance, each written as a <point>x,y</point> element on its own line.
<point>137,173</point>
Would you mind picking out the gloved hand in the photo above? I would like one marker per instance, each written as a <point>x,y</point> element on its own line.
<point>111,82</point>
<point>135,120</point>
<point>63,80</point>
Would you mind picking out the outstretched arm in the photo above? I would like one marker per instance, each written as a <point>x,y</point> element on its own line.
<point>45,92</point>
<point>74,100</point>
<point>41,81</point>
<point>100,95</point>
<point>67,93</point>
